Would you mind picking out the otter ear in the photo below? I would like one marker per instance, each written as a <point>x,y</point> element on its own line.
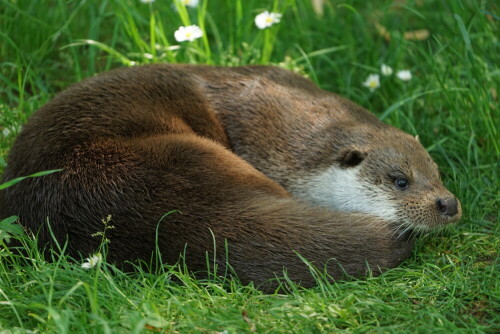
<point>351,157</point>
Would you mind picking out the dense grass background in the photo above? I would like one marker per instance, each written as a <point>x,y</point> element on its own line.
<point>450,284</point>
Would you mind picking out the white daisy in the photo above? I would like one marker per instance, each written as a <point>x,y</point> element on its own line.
<point>147,1</point>
<point>189,3</point>
<point>265,20</point>
<point>372,82</point>
<point>189,33</point>
<point>404,75</point>
<point>92,261</point>
<point>386,70</point>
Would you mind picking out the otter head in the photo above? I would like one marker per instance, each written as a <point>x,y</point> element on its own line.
<point>390,175</point>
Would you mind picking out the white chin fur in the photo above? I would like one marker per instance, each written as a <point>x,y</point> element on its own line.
<point>341,189</point>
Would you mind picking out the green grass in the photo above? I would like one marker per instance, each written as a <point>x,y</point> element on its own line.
<point>449,285</point>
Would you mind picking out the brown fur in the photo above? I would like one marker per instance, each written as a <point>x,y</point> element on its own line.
<point>225,147</point>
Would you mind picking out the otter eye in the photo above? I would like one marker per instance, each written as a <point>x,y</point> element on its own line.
<point>402,183</point>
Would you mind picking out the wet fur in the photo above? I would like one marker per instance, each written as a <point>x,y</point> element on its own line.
<point>233,149</point>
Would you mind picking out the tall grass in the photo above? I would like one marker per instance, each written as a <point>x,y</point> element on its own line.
<point>450,284</point>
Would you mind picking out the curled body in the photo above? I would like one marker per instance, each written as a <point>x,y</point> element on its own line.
<point>256,156</point>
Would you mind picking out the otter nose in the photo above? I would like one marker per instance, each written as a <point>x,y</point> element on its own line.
<point>447,206</point>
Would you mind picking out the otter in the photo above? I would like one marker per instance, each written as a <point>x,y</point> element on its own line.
<point>263,167</point>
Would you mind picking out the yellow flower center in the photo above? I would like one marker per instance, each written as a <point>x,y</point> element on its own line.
<point>269,19</point>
